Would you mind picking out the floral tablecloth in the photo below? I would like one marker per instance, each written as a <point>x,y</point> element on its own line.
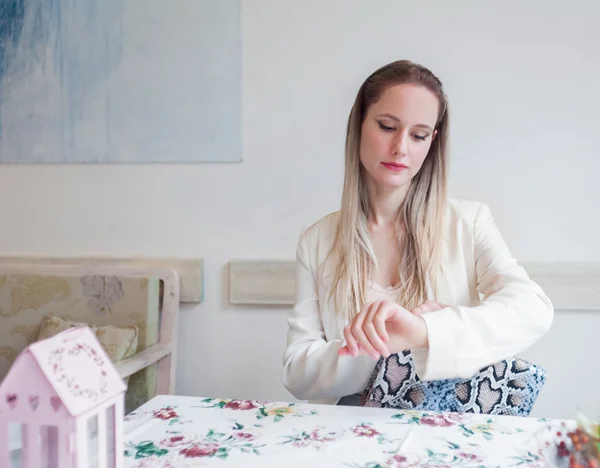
<point>173,431</point>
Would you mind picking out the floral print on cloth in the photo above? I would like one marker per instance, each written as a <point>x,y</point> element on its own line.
<point>172,431</point>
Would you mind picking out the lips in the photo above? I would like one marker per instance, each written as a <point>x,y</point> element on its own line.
<point>395,166</point>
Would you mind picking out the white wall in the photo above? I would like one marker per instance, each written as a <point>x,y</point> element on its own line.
<point>91,81</point>
<point>522,81</point>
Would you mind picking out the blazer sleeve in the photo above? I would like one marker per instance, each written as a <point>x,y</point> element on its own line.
<point>514,312</point>
<point>312,368</point>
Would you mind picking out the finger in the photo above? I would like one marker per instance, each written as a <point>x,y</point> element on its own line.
<point>359,334</point>
<point>379,324</point>
<point>350,341</point>
<point>375,339</point>
<point>423,308</point>
<point>345,351</point>
<point>442,306</point>
<point>389,312</point>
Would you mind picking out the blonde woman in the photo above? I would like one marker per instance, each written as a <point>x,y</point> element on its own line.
<point>401,266</point>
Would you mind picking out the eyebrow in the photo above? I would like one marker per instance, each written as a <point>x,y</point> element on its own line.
<point>393,117</point>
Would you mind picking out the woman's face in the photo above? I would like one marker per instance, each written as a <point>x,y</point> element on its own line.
<point>397,133</point>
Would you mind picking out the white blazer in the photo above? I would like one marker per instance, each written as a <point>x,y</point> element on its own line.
<point>496,310</point>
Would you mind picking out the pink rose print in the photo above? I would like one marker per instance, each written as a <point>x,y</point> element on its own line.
<point>365,431</point>
<point>470,456</point>
<point>165,414</point>
<point>403,461</point>
<point>200,450</point>
<point>176,441</point>
<point>318,434</point>
<point>316,438</point>
<point>244,435</point>
<point>438,420</point>
<point>154,461</point>
<point>243,405</point>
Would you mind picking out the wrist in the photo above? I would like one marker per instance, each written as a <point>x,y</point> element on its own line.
<point>423,334</point>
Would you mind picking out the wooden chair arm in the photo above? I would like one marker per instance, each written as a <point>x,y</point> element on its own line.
<point>141,360</point>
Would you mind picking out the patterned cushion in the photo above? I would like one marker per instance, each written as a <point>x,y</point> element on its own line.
<point>103,300</point>
<point>118,342</point>
<point>509,387</point>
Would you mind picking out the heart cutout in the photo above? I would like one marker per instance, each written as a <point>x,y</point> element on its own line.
<point>55,403</point>
<point>11,399</point>
<point>34,402</point>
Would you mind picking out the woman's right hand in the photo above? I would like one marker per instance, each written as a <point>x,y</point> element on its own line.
<point>383,328</point>
<point>380,324</point>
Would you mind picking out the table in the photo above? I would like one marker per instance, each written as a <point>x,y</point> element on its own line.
<point>174,431</point>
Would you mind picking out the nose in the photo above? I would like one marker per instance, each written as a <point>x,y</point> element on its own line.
<point>400,144</point>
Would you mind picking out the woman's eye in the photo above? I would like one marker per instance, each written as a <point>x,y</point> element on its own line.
<point>385,128</point>
<point>421,137</point>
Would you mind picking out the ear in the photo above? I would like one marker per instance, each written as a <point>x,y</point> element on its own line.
<point>434,135</point>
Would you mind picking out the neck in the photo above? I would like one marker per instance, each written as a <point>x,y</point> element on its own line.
<point>385,203</point>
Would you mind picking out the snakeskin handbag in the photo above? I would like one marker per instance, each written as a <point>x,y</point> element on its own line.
<point>509,387</point>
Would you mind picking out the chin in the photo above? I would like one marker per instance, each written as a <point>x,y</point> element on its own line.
<point>393,181</point>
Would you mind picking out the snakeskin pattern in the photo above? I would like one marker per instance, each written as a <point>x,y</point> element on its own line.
<point>508,387</point>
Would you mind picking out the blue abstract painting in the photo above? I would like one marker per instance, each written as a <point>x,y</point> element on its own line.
<point>120,81</point>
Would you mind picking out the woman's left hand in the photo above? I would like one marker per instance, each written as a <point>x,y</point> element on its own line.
<point>383,328</point>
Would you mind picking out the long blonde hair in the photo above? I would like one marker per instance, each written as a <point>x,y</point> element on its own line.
<point>421,216</point>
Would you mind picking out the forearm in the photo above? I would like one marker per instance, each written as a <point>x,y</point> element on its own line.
<point>464,339</point>
<point>314,370</point>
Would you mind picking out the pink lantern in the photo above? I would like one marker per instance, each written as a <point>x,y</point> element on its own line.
<point>61,406</point>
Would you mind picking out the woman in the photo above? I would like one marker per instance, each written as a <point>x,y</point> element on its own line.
<point>400,266</point>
